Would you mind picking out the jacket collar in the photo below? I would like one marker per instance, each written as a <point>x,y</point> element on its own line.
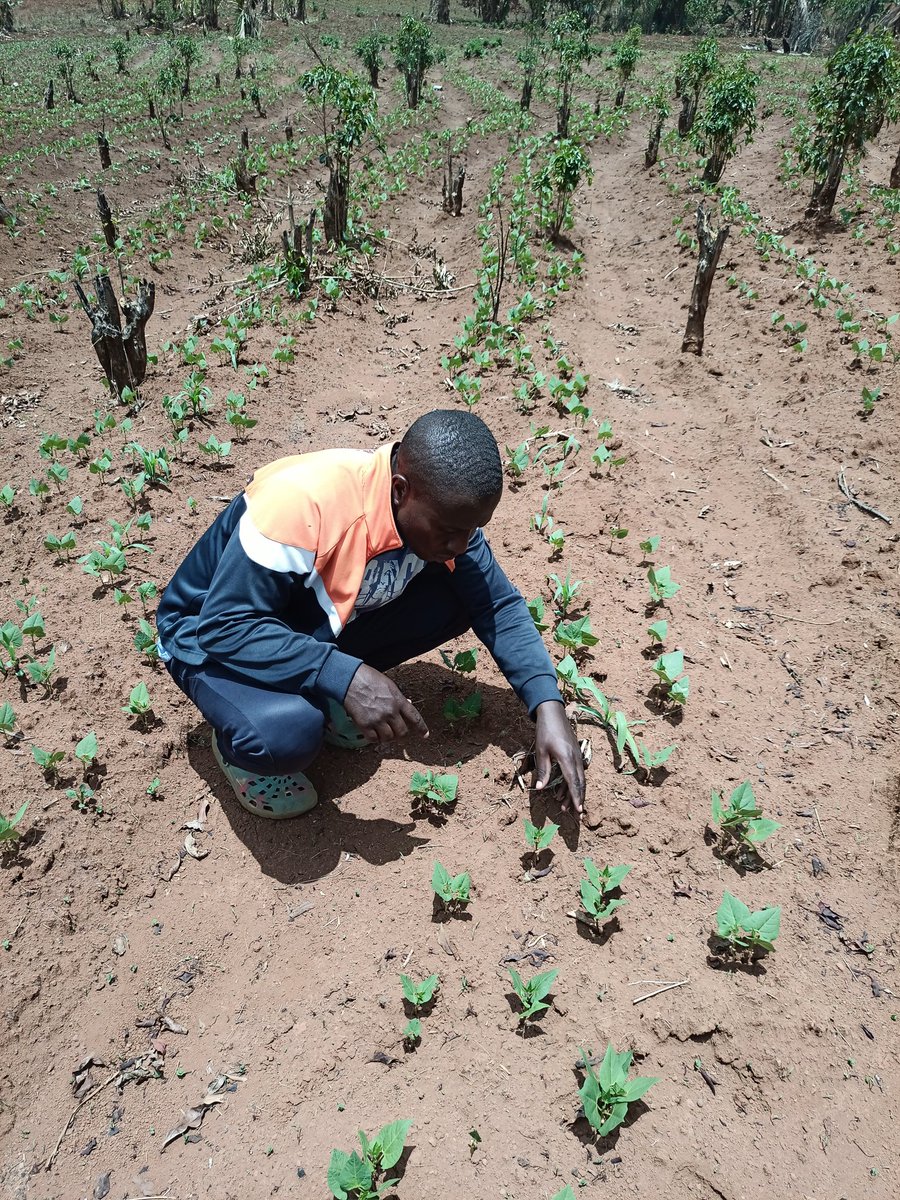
<point>379,512</point>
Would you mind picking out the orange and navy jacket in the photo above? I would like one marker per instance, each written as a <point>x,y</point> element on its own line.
<point>267,590</point>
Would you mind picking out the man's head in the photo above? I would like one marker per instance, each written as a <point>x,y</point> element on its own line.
<point>447,481</point>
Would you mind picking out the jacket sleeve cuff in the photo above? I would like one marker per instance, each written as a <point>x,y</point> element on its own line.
<point>336,675</point>
<point>538,690</point>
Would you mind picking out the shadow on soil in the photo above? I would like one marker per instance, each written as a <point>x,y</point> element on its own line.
<point>309,847</point>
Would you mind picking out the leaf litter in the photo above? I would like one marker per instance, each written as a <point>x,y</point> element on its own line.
<point>216,1093</point>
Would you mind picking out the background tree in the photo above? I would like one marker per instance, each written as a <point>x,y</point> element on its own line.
<point>528,59</point>
<point>368,50</point>
<point>626,54</point>
<point>728,118</point>
<point>859,91</point>
<point>493,12</point>
<point>566,166</point>
<point>569,42</point>
<point>67,57</point>
<point>347,114</point>
<point>660,107</point>
<point>692,71</point>
<point>414,55</point>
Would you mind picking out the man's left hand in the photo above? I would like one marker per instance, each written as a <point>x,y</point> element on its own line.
<point>555,742</point>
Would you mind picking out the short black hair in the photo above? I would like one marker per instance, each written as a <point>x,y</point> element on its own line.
<point>453,456</point>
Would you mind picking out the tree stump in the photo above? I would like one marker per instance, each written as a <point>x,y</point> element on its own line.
<point>245,139</point>
<point>106,220</point>
<point>711,243</point>
<point>103,147</point>
<point>652,152</point>
<point>48,97</point>
<point>7,216</point>
<point>289,134</point>
<point>297,248</point>
<point>122,351</point>
<point>454,178</point>
<point>825,190</point>
<point>442,12</point>
<point>6,16</point>
<point>334,215</point>
<point>895,171</point>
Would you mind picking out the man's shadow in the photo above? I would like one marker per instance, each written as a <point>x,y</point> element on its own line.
<point>309,847</point>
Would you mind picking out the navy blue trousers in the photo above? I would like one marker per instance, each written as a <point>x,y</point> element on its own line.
<point>278,733</point>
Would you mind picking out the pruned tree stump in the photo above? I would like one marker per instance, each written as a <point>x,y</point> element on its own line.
<point>452,190</point>
<point>122,350</point>
<point>711,242</point>
<point>297,248</point>
<point>106,219</point>
<point>103,147</point>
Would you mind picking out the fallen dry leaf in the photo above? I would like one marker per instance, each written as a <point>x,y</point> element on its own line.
<point>195,851</point>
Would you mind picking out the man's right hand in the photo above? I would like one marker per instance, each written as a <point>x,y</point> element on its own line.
<point>379,708</point>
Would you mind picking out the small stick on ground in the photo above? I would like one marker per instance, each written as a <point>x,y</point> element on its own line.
<point>774,478</point>
<point>866,508</point>
<point>48,1164</point>
<point>659,991</point>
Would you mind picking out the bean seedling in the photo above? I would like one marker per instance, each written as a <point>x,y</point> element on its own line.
<point>86,750</point>
<point>139,703</point>
<point>439,789</point>
<point>462,663</point>
<point>661,586</point>
<point>532,993</point>
<point>741,819</point>
<point>48,760</point>
<point>538,839</point>
<point>746,930</point>
<point>575,635</point>
<point>419,994</point>
<point>412,1032</point>
<point>667,669</point>
<point>451,890</point>
<point>8,830</point>
<point>355,1177</point>
<point>462,710</point>
<point>597,889</point>
<point>7,718</point>
<point>657,632</point>
<point>606,1095</point>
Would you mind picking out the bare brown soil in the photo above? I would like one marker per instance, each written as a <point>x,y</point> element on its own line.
<point>280,949</point>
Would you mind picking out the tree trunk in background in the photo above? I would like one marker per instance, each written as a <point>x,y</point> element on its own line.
<point>895,171</point>
<point>711,243</point>
<point>442,12</point>
<point>652,152</point>
<point>825,190</point>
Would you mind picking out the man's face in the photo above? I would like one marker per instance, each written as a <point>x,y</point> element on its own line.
<point>435,532</point>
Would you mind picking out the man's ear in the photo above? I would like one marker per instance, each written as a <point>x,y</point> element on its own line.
<point>400,489</point>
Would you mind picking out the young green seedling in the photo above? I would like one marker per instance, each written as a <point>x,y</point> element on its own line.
<point>597,889</point>
<point>462,663</point>
<point>138,701</point>
<point>8,830</point>
<point>356,1177</point>
<point>657,632</point>
<point>538,839</point>
<point>742,819</point>
<point>419,994</point>
<point>412,1032</point>
<point>746,930</point>
<point>661,586</point>
<point>606,1095</point>
<point>462,710</point>
<point>649,545</point>
<point>86,750</point>
<point>451,890</point>
<point>48,760</point>
<point>7,718</point>
<point>667,669</point>
<point>575,635</point>
<point>532,993</point>
<point>565,1194</point>
<point>439,789</point>
<point>564,592</point>
<point>536,609</point>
